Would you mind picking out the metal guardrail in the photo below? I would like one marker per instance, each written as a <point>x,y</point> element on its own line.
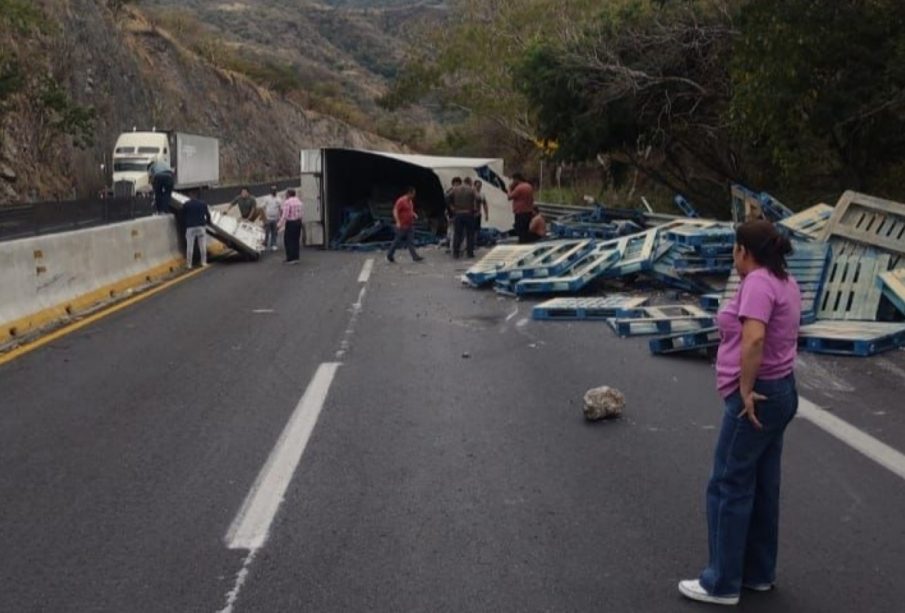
<point>24,220</point>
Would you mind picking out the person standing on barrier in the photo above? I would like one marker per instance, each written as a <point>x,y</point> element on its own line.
<point>196,216</point>
<point>480,207</point>
<point>272,209</point>
<point>755,363</point>
<point>521,193</point>
<point>162,180</point>
<point>248,205</point>
<point>291,224</point>
<point>462,201</point>
<point>404,215</point>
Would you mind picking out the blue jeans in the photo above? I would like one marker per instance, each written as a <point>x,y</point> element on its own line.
<point>743,494</point>
<point>405,237</point>
<point>270,233</point>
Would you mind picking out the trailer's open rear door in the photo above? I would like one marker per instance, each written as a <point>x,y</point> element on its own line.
<point>311,193</point>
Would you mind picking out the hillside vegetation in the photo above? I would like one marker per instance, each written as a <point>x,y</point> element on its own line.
<point>75,73</point>
<point>804,98</point>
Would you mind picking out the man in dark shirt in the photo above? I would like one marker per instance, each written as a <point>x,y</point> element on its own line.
<point>196,216</point>
<point>248,205</point>
<point>461,199</point>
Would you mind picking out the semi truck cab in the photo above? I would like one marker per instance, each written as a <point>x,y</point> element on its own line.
<point>194,158</point>
<point>133,152</point>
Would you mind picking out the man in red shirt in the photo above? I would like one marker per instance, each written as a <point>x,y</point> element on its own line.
<point>404,215</point>
<point>521,192</point>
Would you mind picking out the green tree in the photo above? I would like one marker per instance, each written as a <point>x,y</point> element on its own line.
<point>469,61</point>
<point>819,89</point>
<point>645,83</point>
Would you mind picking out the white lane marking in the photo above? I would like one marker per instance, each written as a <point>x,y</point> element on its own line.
<point>512,314</point>
<point>260,311</point>
<point>879,452</point>
<point>357,307</point>
<point>522,322</point>
<point>241,577</point>
<point>366,271</point>
<point>251,526</point>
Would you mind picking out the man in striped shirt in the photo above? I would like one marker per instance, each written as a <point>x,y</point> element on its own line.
<point>291,220</point>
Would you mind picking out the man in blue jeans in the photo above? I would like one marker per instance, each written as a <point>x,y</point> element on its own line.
<point>196,216</point>
<point>404,215</point>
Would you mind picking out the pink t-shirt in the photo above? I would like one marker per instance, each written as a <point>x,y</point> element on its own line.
<point>775,302</point>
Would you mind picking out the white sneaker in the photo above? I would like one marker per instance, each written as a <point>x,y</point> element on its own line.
<point>692,589</point>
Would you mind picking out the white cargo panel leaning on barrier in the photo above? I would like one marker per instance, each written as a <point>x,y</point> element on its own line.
<point>243,236</point>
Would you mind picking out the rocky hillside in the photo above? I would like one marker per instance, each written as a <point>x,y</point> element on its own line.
<point>75,73</point>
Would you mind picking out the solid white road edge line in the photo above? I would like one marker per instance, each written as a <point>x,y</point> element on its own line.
<point>366,270</point>
<point>879,452</point>
<point>251,526</point>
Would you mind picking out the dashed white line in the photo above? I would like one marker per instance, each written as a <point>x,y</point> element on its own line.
<point>879,452</point>
<point>251,526</point>
<point>366,270</point>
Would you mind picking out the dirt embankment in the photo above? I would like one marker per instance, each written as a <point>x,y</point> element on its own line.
<point>133,74</point>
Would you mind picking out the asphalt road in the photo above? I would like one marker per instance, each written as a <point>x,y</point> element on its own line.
<point>450,469</point>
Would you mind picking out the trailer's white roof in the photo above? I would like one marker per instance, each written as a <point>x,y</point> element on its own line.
<point>433,162</point>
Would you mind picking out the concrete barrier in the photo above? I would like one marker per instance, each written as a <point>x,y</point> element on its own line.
<point>49,278</point>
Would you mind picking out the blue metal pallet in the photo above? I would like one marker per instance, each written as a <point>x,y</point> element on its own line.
<point>486,269</point>
<point>809,264</point>
<point>552,262</point>
<point>698,237</point>
<point>591,308</point>
<point>853,288</point>
<point>809,223</point>
<point>589,269</point>
<point>773,209</point>
<point>710,302</point>
<point>602,231</point>
<point>661,320</point>
<point>854,338</point>
<point>894,287</point>
<point>685,341</point>
<point>703,265</point>
<point>637,253</point>
<point>685,206</point>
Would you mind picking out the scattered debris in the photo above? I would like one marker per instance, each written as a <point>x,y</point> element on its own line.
<point>603,403</point>
<point>849,262</point>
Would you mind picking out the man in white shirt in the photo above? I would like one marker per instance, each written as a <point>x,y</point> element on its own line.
<point>271,205</point>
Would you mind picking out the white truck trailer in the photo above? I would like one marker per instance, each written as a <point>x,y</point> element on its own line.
<point>195,160</point>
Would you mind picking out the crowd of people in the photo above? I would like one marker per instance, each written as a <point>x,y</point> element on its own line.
<point>465,202</point>
<point>466,209</point>
<point>274,213</point>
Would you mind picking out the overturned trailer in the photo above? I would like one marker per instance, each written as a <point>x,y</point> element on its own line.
<point>338,182</point>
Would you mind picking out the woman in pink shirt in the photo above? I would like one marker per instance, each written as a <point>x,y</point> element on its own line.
<point>755,360</point>
<point>291,218</point>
